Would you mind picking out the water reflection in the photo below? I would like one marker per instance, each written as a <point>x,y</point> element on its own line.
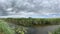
<point>40,29</point>
<point>46,29</point>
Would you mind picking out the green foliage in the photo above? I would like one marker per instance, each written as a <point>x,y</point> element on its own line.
<point>20,30</point>
<point>33,21</point>
<point>4,27</point>
<point>27,22</point>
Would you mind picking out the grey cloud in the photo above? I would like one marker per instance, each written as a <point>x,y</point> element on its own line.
<point>36,6</point>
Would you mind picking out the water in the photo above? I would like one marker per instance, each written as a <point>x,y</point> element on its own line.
<point>40,29</point>
<point>45,29</point>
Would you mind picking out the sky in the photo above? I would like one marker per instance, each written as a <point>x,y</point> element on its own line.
<point>30,8</point>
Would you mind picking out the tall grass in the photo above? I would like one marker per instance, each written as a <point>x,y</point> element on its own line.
<point>33,21</point>
<point>5,28</point>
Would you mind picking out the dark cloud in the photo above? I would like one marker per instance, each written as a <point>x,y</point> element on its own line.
<point>40,7</point>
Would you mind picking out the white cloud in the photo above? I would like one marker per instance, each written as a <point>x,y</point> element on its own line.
<point>9,9</point>
<point>29,8</point>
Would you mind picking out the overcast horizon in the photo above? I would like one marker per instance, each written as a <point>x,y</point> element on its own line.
<point>30,8</point>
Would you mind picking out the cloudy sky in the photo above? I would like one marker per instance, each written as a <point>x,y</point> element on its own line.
<point>30,8</point>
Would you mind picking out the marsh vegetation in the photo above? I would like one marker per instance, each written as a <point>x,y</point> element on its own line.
<point>28,25</point>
